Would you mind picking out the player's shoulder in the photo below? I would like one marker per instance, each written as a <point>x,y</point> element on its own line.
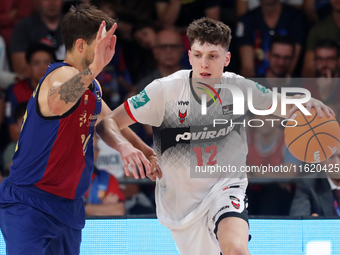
<point>63,73</point>
<point>228,75</point>
<point>237,80</point>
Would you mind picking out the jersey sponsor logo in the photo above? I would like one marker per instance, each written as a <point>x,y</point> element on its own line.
<point>261,88</point>
<point>140,99</point>
<point>170,137</point>
<point>183,102</point>
<point>82,119</point>
<point>86,100</point>
<point>205,134</point>
<point>182,116</point>
<point>234,198</point>
<point>227,109</point>
<point>91,119</point>
<point>98,96</point>
<point>236,205</point>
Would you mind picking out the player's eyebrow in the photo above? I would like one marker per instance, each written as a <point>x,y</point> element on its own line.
<point>212,51</point>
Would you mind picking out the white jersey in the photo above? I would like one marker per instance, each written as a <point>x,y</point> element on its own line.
<point>184,138</point>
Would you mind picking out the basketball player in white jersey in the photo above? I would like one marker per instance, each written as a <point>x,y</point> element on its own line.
<point>206,216</point>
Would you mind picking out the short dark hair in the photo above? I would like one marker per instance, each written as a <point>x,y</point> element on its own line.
<point>282,39</point>
<point>38,47</point>
<point>211,31</point>
<point>328,44</point>
<point>83,21</point>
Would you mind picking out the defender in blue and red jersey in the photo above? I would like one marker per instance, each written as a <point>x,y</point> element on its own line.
<point>41,205</point>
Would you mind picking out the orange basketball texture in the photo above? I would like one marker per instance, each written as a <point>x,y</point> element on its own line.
<point>313,139</point>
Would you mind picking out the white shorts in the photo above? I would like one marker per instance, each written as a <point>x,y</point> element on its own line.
<point>200,237</point>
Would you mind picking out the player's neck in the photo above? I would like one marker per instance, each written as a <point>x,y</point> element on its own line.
<point>73,61</point>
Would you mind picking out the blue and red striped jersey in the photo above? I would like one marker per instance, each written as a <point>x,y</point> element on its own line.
<point>55,154</point>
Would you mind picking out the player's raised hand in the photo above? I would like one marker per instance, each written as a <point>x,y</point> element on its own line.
<point>155,170</point>
<point>134,157</point>
<point>105,47</point>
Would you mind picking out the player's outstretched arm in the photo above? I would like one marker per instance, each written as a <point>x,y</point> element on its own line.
<point>291,108</point>
<point>67,85</point>
<point>114,131</point>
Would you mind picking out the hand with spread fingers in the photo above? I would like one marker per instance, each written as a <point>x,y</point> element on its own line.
<point>317,104</point>
<point>105,47</point>
<point>136,159</point>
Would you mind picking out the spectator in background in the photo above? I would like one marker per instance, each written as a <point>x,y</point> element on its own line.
<point>319,196</point>
<point>181,13</point>
<point>317,9</point>
<point>141,58</point>
<point>42,27</point>
<point>326,87</point>
<point>280,57</point>
<point>18,115</point>
<point>38,57</point>
<point>167,51</point>
<point>255,32</point>
<point>115,78</point>
<point>243,6</point>
<point>104,197</point>
<point>328,28</point>
<point>267,148</point>
<point>11,11</point>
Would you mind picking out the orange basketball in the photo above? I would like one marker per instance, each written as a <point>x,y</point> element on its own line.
<point>313,139</point>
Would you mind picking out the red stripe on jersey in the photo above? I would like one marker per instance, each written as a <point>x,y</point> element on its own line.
<point>67,158</point>
<point>127,108</point>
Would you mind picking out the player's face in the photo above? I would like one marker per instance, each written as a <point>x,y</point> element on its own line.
<point>38,64</point>
<point>326,61</point>
<point>332,162</point>
<point>208,60</point>
<point>280,58</point>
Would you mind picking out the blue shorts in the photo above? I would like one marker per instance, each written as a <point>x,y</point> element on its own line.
<point>28,229</point>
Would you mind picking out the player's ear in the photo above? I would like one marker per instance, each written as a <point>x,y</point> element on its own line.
<point>189,54</point>
<point>80,45</point>
<point>227,58</point>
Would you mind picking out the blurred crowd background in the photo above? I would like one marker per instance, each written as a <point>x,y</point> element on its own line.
<point>272,39</point>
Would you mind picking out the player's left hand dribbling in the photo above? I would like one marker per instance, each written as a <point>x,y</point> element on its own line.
<point>317,104</point>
